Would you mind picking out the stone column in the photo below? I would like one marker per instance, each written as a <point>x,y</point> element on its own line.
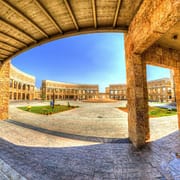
<point>4,90</point>
<point>177,92</point>
<point>137,95</point>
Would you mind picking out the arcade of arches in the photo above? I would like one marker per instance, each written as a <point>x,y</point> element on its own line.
<point>151,27</point>
<point>22,87</point>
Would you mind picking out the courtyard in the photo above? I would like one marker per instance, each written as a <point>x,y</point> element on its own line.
<point>89,142</point>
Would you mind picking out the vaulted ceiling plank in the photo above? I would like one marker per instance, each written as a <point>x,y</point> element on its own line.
<point>71,14</point>
<point>48,15</point>
<point>17,29</point>
<point>117,12</point>
<point>94,13</point>
<point>13,38</point>
<point>25,17</point>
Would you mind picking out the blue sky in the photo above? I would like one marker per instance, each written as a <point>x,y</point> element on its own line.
<point>92,59</point>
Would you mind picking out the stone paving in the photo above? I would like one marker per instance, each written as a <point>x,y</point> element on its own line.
<point>41,155</point>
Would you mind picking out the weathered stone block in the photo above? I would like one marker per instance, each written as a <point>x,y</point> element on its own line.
<point>4,90</point>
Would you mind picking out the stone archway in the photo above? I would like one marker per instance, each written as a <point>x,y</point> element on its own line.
<point>151,27</point>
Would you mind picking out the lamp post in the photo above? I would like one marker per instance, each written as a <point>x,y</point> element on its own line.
<point>53,100</point>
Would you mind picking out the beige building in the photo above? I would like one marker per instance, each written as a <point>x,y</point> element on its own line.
<point>22,85</point>
<point>37,94</point>
<point>68,91</point>
<point>160,90</point>
<point>117,91</point>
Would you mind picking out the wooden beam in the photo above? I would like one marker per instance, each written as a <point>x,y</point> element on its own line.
<point>116,13</point>
<point>13,38</point>
<point>71,14</point>
<point>2,48</point>
<point>94,13</point>
<point>5,51</point>
<point>10,45</point>
<point>25,17</point>
<point>3,55</point>
<point>17,29</point>
<point>48,15</point>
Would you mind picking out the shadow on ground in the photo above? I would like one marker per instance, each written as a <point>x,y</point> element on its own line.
<point>71,136</point>
<point>101,161</point>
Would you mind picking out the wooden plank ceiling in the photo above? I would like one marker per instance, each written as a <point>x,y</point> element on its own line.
<point>29,23</point>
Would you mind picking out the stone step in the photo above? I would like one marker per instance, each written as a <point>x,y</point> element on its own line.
<point>8,173</point>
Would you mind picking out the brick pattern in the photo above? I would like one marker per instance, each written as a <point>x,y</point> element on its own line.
<point>4,89</point>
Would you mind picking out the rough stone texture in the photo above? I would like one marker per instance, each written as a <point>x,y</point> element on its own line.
<point>4,89</point>
<point>160,56</point>
<point>153,19</point>
<point>138,124</point>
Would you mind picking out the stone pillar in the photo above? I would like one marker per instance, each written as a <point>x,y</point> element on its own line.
<point>177,92</point>
<point>4,90</point>
<point>137,95</point>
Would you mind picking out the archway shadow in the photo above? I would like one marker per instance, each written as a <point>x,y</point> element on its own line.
<point>71,136</point>
<point>110,160</point>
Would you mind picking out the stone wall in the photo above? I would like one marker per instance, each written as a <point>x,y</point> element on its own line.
<point>4,89</point>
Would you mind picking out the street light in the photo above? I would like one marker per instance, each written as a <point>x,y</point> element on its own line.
<point>53,100</point>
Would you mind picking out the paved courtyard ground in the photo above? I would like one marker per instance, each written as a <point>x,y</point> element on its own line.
<point>89,142</point>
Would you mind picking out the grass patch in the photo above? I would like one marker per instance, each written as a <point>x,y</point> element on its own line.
<point>160,112</point>
<point>156,111</point>
<point>47,109</point>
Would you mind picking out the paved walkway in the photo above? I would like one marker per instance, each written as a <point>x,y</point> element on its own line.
<point>43,147</point>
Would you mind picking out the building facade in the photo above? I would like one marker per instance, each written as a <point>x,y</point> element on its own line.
<point>37,94</point>
<point>160,90</point>
<point>117,91</point>
<point>22,85</point>
<point>68,91</point>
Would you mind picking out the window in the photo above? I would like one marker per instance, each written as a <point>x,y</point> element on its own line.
<point>11,83</point>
